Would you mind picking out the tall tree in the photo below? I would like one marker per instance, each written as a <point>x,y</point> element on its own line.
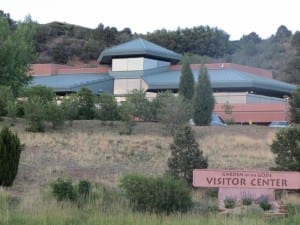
<point>295,106</point>
<point>16,53</point>
<point>187,82</point>
<point>186,155</point>
<point>203,101</point>
<point>293,66</point>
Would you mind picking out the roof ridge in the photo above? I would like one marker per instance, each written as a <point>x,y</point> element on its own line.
<point>142,40</point>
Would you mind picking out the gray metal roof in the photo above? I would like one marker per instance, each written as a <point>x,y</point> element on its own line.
<point>223,80</point>
<point>138,48</point>
<point>73,82</point>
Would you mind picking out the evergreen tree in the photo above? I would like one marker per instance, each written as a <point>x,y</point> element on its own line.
<point>186,155</point>
<point>203,101</point>
<point>187,82</point>
<point>286,147</point>
<point>10,150</point>
<point>295,106</point>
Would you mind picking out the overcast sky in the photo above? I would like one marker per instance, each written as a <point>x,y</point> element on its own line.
<point>235,17</point>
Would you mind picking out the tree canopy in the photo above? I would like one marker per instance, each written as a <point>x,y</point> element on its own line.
<point>16,53</point>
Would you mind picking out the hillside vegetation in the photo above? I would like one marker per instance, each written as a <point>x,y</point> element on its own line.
<point>95,151</point>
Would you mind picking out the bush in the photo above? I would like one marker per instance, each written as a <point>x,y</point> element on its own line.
<point>159,195</point>
<point>264,204</point>
<point>55,114</point>
<point>35,114</point>
<point>10,151</point>
<point>86,104</point>
<point>287,149</point>
<point>6,95</point>
<point>247,201</point>
<point>70,106</point>
<point>229,203</point>
<point>63,190</point>
<point>84,188</point>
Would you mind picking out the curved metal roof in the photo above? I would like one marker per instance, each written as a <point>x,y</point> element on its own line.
<point>138,48</point>
<point>73,82</point>
<point>223,80</point>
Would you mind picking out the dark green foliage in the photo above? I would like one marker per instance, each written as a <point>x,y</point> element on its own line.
<point>11,111</point>
<point>45,94</point>
<point>203,101</point>
<point>185,155</point>
<point>201,40</point>
<point>295,107</point>
<point>63,190</point>
<point>229,203</point>
<point>54,114</point>
<point>6,95</point>
<point>16,53</point>
<point>70,106</point>
<point>286,147</point>
<point>247,201</point>
<point>59,53</point>
<point>141,105</point>
<point>35,113</point>
<point>126,112</point>
<point>107,108</point>
<point>86,104</point>
<point>159,195</point>
<point>84,188</point>
<point>173,112</point>
<point>187,82</point>
<point>264,203</point>
<point>10,151</point>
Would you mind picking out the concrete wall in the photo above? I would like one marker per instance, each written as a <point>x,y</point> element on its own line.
<point>124,86</point>
<point>136,64</point>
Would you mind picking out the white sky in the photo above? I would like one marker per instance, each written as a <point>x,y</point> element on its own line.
<point>235,17</point>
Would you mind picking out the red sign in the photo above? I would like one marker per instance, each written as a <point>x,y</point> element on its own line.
<point>246,179</point>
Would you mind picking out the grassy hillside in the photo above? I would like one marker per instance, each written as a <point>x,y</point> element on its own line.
<point>94,151</point>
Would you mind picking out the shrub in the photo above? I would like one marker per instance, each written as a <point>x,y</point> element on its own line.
<point>159,195</point>
<point>70,106</point>
<point>6,95</point>
<point>229,203</point>
<point>84,188</point>
<point>247,201</point>
<point>63,190</point>
<point>264,203</point>
<point>35,114</point>
<point>286,147</point>
<point>10,151</point>
<point>86,104</point>
<point>55,114</point>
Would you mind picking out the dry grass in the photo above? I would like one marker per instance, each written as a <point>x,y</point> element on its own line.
<point>95,151</point>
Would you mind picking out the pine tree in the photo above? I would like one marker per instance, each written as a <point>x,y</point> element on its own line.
<point>295,106</point>
<point>186,155</point>
<point>187,82</point>
<point>10,150</point>
<point>203,101</point>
